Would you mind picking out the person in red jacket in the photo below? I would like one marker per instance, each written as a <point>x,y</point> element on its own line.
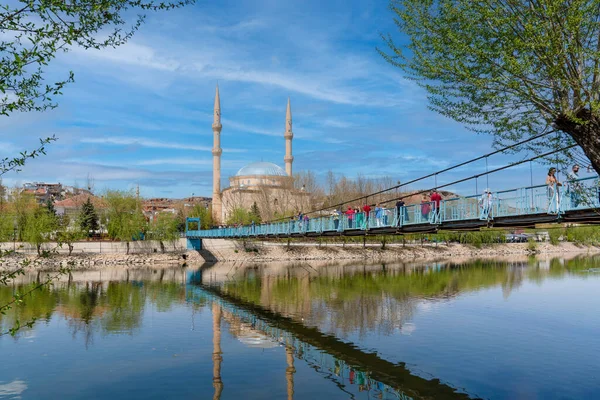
<point>367,210</point>
<point>435,199</point>
<point>350,216</point>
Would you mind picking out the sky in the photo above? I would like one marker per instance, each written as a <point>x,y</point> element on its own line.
<point>141,114</point>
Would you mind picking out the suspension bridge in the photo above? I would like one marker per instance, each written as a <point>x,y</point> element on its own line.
<point>575,201</point>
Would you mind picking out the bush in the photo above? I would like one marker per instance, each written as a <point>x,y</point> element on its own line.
<point>555,235</point>
<point>532,244</point>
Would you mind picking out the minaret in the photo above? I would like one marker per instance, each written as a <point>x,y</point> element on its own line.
<point>288,140</point>
<point>217,205</point>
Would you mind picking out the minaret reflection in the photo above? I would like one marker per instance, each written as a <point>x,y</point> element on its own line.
<point>217,357</point>
<point>289,371</point>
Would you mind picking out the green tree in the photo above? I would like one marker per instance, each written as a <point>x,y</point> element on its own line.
<point>164,229</point>
<point>88,218</point>
<point>205,215</point>
<point>35,31</point>
<point>39,228</point>
<point>255,213</point>
<point>242,216</point>
<point>50,207</point>
<point>69,233</point>
<point>17,297</point>
<point>24,205</point>
<point>511,68</point>
<point>6,227</point>
<point>125,220</point>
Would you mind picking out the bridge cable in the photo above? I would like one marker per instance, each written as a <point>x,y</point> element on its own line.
<point>487,181</point>
<point>510,147</point>
<point>489,172</point>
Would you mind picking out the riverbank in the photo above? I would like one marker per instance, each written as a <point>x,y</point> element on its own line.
<point>219,250</point>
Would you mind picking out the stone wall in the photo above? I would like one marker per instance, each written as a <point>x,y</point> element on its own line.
<point>101,247</point>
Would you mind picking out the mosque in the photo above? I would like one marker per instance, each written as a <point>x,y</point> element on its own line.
<point>263,183</point>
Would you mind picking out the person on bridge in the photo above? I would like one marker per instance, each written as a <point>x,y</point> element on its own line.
<point>350,216</point>
<point>358,217</point>
<point>485,203</point>
<point>336,218</point>
<point>378,214</point>
<point>436,198</point>
<point>401,212</point>
<point>425,208</point>
<point>366,210</point>
<point>553,188</point>
<point>574,187</point>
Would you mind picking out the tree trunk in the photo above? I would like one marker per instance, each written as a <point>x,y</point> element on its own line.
<point>70,248</point>
<point>162,246</point>
<point>585,132</point>
<point>39,249</point>
<point>127,247</point>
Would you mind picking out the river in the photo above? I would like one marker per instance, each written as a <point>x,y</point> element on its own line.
<point>479,329</point>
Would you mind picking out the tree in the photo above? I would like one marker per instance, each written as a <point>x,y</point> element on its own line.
<point>124,214</point>
<point>18,297</point>
<point>88,218</point>
<point>6,227</point>
<point>39,228</point>
<point>511,68</point>
<point>35,31</point>
<point>24,206</point>
<point>241,216</point>
<point>164,229</point>
<point>69,233</point>
<point>50,207</point>
<point>204,214</point>
<point>255,213</point>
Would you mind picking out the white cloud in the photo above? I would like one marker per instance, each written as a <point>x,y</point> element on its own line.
<point>252,129</point>
<point>132,54</point>
<point>128,141</point>
<point>336,123</point>
<point>175,161</point>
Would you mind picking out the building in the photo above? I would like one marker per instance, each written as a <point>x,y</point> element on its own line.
<point>264,183</point>
<point>43,191</point>
<point>71,206</point>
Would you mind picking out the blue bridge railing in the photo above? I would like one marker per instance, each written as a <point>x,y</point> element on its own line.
<point>581,194</point>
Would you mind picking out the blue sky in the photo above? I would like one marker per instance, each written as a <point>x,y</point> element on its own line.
<point>142,114</point>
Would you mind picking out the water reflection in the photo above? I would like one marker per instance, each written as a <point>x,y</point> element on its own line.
<point>377,298</point>
<point>314,315</point>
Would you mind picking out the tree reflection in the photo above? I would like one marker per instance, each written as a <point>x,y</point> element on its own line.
<point>361,299</point>
<point>99,305</point>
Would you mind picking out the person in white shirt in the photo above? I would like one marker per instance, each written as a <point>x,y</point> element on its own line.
<point>485,203</point>
<point>574,187</point>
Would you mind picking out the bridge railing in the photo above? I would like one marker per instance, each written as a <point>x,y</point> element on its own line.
<point>573,195</point>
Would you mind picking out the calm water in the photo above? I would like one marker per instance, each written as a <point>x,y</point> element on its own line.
<point>496,330</point>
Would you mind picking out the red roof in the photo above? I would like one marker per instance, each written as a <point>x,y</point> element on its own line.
<point>78,201</point>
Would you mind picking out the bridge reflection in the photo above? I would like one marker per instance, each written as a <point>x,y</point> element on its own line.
<point>340,361</point>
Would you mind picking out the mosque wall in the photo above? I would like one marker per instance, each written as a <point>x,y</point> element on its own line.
<point>271,201</point>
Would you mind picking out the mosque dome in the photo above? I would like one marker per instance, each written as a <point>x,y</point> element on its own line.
<point>261,168</point>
